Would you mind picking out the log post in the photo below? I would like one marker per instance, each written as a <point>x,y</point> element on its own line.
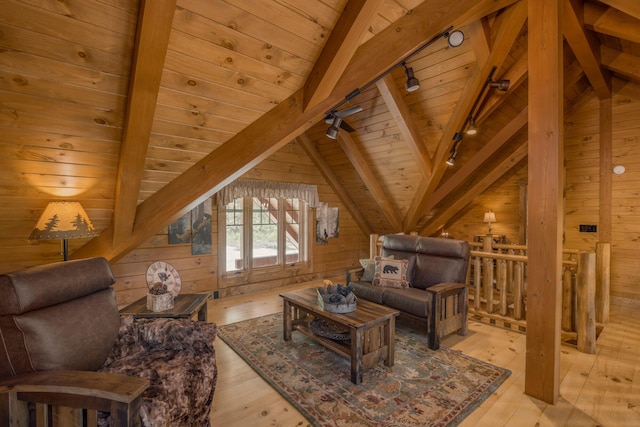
<point>487,274</point>
<point>477,282</point>
<point>502,286</point>
<point>603,281</point>
<point>373,245</point>
<point>567,300</point>
<point>586,290</point>
<point>518,295</point>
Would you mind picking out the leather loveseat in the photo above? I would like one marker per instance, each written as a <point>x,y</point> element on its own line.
<point>434,295</point>
<point>61,320</point>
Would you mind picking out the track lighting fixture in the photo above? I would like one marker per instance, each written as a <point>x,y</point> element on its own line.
<point>472,129</point>
<point>333,130</point>
<point>501,85</point>
<point>412,84</point>
<point>451,161</point>
<point>455,38</point>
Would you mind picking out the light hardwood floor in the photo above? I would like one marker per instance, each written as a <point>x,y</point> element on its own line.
<point>596,390</point>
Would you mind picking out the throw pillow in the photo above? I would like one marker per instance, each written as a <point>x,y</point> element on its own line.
<point>391,273</point>
<point>369,266</point>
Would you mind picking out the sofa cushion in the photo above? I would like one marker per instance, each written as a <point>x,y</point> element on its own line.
<point>369,266</point>
<point>430,270</point>
<point>410,300</point>
<point>366,290</point>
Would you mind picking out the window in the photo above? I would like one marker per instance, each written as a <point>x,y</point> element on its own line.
<point>264,234</point>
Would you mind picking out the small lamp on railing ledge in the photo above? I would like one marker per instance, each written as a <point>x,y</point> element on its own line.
<point>63,220</point>
<point>489,217</point>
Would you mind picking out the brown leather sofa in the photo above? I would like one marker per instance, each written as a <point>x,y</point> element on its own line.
<point>436,299</point>
<point>62,317</point>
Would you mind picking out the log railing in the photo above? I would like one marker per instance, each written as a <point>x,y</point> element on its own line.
<point>498,290</point>
<point>497,282</point>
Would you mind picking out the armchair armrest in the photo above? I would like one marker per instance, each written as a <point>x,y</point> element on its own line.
<point>353,274</point>
<point>450,310</point>
<point>98,391</point>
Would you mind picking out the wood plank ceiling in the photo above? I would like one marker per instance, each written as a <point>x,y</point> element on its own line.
<point>143,110</point>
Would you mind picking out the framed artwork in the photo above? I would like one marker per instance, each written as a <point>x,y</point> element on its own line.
<point>180,230</point>
<point>326,223</point>
<point>201,228</point>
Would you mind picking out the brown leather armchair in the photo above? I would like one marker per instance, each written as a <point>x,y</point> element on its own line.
<point>63,342</point>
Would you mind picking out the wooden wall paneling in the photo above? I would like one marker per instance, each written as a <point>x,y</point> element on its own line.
<point>542,370</point>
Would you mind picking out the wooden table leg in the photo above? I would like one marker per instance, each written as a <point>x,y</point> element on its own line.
<point>356,355</point>
<point>390,340</point>
<point>202,313</point>
<point>286,321</point>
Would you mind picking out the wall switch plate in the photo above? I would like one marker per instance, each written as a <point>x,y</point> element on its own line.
<point>588,228</point>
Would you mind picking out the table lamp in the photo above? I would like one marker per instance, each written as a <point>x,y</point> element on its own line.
<point>63,220</point>
<point>489,217</point>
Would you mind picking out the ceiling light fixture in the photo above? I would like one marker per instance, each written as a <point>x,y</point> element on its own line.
<point>333,130</point>
<point>501,85</point>
<point>451,161</point>
<point>454,38</point>
<point>457,137</point>
<point>412,84</point>
<point>472,129</point>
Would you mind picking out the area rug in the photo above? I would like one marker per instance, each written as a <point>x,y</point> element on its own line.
<point>423,388</point>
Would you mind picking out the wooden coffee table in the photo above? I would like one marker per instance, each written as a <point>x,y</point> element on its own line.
<point>185,306</point>
<point>371,328</point>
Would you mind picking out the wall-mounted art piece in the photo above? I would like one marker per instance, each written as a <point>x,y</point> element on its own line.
<point>180,230</point>
<point>326,223</point>
<point>201,226</point>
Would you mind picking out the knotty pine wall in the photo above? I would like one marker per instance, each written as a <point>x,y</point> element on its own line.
<point>582,188</point>
<point>199,272</point>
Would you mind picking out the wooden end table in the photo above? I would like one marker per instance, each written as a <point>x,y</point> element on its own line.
<point>371,328</point>
<point>185,306</point>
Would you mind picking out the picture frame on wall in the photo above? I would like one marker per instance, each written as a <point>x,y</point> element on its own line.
<point>201,228</point>
<point>180,230</point>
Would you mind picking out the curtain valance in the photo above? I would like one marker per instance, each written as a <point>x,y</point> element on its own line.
<point>279,190</point>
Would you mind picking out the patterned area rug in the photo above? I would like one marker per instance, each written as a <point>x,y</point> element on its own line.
<point>423,388</point>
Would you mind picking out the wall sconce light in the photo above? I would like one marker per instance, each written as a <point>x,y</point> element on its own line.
<point>63,220</point>
<point>412,84</point>
<point>489,217</point>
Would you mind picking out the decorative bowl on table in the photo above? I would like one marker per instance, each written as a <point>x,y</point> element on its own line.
<point>337,298</point>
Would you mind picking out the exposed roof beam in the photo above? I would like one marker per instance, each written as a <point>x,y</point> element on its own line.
<point>344,40</point>
<point>334,183</point>
<point>621,62</point>
<point>284,122</point>
<point>585,47</point>
<point>370,180</point>
<point>438,222</point>
<point>408,127</point>
<point>152,39</point>
<point>480,37</point>
<point>485,153</point>
<point>630,7</point>
<point>508,26</point>
<point>607,20</point>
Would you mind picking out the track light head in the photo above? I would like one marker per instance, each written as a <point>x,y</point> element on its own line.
<point>333,130</point>
<point>412,84</point>
<point>501,85</point>
<point>455,38</point>
<point>452,158</point>
<point>472,129</point>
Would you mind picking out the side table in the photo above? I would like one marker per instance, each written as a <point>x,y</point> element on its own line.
<point>185,306</point>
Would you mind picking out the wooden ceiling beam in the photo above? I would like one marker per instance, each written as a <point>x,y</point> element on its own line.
<point>621,62</point>
<point>152,39</point>
<point>284,122</point>
<point>343,42</point>
<point>630,7</point>
<point>585,47</point>
<point>477,189</point>
<point>408,127</point>
<point>361,166</point>
<point>508,25</point>
<point>334,182</point>
<point>610,21</point>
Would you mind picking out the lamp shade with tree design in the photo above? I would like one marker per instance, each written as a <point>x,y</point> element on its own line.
<point>63,220</point>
